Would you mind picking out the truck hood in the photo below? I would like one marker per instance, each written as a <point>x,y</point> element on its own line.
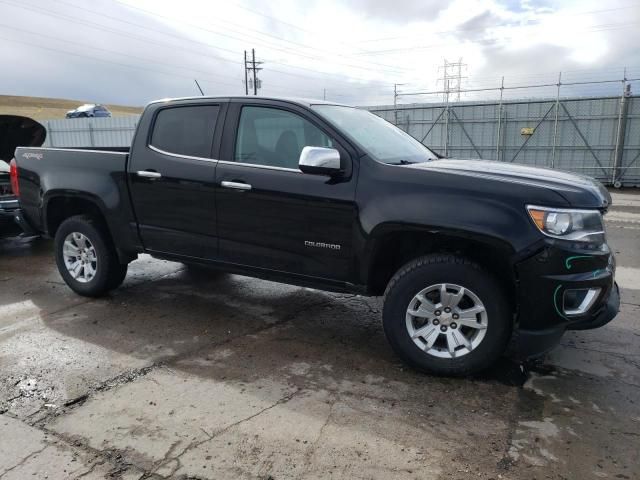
<point>578,190</point>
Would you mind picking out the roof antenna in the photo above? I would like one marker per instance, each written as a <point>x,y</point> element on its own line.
<point>198,85</point>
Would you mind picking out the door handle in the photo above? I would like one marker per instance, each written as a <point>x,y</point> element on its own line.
<point>148,174</point>
<point>236,185</point>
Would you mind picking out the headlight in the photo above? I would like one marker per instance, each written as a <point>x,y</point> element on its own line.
<point>568,224</point>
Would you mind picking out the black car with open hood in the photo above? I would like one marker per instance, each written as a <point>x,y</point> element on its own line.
<point>15,131</point>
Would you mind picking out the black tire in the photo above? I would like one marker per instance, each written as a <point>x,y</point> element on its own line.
<point>429,270</point>
<point>109,272</point>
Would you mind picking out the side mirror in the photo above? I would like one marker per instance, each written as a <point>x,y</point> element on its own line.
<point>320,161</point>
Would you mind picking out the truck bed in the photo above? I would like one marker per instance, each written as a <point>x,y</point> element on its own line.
<point>96,174</point>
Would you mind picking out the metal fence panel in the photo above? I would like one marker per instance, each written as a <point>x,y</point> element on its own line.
<point>575,134</point>
<point>629,172</point>
<point>583,135</point>
<point>91,132</point>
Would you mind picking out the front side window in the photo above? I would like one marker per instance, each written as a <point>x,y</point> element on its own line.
<point>185,130</point>
<point>273,137</point>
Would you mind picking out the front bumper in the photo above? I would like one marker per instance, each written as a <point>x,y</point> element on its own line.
<point>526,344</point>
<point>543,280</point>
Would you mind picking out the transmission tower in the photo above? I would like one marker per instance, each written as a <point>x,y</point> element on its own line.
<point>452,79</point>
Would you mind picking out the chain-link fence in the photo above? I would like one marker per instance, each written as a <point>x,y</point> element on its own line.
<point>596,135</point>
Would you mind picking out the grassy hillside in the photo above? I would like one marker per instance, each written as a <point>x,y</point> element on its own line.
<point>51,108</point>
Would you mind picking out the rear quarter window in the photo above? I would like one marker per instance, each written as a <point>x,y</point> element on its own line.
<point>185,130</point>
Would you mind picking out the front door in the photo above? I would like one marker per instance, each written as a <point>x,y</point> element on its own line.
<point>172,182</point>
<point>270,214</point>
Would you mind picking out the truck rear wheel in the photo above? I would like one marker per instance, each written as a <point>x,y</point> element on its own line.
<point>86,257</point>
<point>445,315</point>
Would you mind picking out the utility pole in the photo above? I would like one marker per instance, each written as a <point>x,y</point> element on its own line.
<point>246,79</point>
<point>324,94</point>
<point>555,121</point>
<point>395,104</point>
<point>395,101</point>
<point>499,133</point>
<point>620,135</point>
<point>253,64</point>
<point>252,82</point>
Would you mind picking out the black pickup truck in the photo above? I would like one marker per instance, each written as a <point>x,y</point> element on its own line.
<point>474,258</point>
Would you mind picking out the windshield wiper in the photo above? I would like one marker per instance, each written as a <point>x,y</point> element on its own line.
<point>403,162</point>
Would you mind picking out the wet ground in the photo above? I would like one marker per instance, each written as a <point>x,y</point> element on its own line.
<point>177,375</point>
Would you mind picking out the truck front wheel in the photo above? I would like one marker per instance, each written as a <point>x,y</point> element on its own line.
<point>86,257</point>
<point>445,315</point>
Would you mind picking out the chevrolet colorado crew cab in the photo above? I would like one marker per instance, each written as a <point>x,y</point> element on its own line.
<point>474,258</point>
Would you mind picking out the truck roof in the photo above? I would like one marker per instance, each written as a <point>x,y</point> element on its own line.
<point>306,102</point>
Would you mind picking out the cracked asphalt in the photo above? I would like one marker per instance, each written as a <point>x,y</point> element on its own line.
<point>186,375</point>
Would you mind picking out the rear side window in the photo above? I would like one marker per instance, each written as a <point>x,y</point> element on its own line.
<point>185,130</point>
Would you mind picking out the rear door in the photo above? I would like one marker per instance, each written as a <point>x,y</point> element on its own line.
<point>172,174</point>
<point>270,214</point>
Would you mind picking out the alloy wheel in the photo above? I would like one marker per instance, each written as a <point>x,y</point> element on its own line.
<point>446,320</point>
<point>80,257</point>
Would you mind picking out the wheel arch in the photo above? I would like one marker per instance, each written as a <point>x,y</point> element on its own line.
<point>394,245</point>
<point>60,205</point>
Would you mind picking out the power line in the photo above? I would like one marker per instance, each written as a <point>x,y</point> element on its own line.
<point>86,23</point>
<point>136,67</point>
<point>529,23</point>
<point>162,64</point>
<point>89,24</point>
<point>334,79</point>
<point>244,29</point>
<point>593,28</point>
<point>264,43</point>
<point>116,53</point>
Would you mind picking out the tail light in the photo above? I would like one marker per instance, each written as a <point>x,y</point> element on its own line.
<point>13,174</point>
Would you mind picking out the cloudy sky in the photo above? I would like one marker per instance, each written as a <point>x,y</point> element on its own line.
<point>352,51</point>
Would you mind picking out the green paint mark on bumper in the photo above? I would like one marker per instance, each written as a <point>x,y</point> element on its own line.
<point>567,262</point>
<point>555,302</point>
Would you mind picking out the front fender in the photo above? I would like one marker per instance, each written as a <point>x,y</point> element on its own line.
<point>398,199</point>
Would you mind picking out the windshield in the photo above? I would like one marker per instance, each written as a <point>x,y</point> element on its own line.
<point>382,140</point>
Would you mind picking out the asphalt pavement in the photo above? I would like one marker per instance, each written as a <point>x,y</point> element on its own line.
<point>189,375</point>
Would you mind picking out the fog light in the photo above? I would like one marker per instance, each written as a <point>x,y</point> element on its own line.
<point>579,301</point>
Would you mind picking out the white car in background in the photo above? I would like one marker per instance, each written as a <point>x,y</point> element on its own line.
<point>89,110</point>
